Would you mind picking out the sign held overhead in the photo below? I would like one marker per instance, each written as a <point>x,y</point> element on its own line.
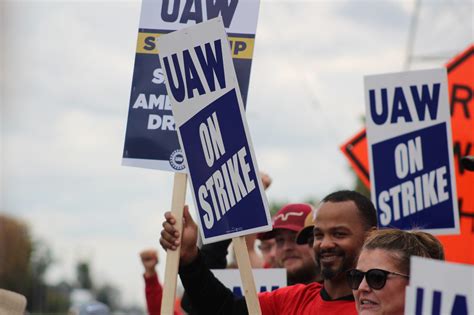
<point>411,162</point>
<point>213,132</point>
<point>151,140</point>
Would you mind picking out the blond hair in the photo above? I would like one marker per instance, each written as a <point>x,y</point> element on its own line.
<point>404,244</point>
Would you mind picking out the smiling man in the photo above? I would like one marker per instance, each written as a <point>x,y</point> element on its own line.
<point>341,224</point>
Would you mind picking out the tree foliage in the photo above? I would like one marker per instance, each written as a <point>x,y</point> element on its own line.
<point>23,265</point>
<point>84,279</point>
<point>15,252</point>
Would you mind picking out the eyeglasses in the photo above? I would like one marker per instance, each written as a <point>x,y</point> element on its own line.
<point>266,248</point>
<point>376,278</point>
<point>280,240</point>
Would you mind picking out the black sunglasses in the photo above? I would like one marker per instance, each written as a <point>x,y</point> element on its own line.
<point>376,278</point>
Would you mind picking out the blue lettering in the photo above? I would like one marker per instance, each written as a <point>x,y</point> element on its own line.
<point>400,107</point>
<point>460,305</point>
<point>213,64</point>
<point>150,43</point>
<point>214,8</point>
<point>419,301</point>
<point>190,15</point>
<point>263,288</point>
<point>436,306</point>
<point>165,15</point>
<point>176,90</point>
<point>426,101</point>
<point>192,78</point>
<point>381,118</point>
<point>223,8</point>
<point>237,291</point>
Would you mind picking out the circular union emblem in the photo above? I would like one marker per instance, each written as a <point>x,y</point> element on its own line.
<point>177,160</point>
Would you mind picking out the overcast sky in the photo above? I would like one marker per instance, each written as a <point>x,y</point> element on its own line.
<point>66,73</point>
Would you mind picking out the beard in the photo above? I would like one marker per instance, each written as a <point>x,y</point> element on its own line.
<point>305,275</point>
<point>332,271</point>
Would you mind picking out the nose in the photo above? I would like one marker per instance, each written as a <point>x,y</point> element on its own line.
<point>326,242</point>
<point>363,286</point>
<point>289,244</point>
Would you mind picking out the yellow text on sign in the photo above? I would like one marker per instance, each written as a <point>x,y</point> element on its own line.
<point>241,47</point>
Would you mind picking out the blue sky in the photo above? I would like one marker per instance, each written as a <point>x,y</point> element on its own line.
<point>66,76</point>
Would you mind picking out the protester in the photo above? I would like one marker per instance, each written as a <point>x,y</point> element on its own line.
<point>383,269</point>
<point>342,221</point>
<point>298,260</point>
<point>153,288</point>
<point>267,248</point>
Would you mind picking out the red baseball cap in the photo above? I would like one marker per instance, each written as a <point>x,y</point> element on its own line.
<point>290,217</point>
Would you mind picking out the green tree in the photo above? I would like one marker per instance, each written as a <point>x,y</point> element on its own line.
<point>23,265</point>
<point>15,252</point>
<point>84,276</point>
<point>360,187</point>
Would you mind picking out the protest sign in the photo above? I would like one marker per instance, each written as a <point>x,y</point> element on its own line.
<point>458,248</point>
<point>410,156</point>
<point>214,137</point>
<point>151,140</point>
<point>437,287</point>
<point>213,132</point>
<point>266,280</point>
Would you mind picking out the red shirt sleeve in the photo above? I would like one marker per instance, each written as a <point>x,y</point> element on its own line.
<point>154,294</point>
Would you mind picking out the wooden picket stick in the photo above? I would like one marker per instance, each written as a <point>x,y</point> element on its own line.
<point>172,256</point>
<point>246,275</point>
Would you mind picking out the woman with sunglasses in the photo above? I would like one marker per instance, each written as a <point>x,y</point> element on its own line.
<point>383,269</point>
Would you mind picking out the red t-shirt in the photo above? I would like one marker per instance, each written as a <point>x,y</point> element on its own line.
<point>303,299</point>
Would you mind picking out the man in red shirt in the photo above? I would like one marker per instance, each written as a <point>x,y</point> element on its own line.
<point>341,224</point>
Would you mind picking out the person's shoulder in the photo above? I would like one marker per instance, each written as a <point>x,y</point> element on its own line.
<point>295,299</point>
<point>312,288</point>
<point>298,289</point>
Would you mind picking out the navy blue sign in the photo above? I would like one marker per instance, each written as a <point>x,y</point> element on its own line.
<point>412,180</point>
<point>224,178</point>
<point>151,140</point>
<point>411,161</point>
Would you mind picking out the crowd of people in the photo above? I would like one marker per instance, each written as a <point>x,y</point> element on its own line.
<point>336,259</point>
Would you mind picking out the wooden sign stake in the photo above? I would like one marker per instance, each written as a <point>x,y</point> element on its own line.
<point>172,256</point>
<point>248,283</point>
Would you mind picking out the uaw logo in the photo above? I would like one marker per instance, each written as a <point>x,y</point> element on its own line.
<point>285,216</point>
<point>177,160</point>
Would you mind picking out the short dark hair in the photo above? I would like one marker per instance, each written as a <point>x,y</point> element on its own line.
<point>365,206</point>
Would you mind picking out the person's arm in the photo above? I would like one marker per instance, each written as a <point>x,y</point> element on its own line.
<point>153,294</point>
<point>215,254</point>
<point>153,288</point>
<point>207,294</point>
<point>215,257</point>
